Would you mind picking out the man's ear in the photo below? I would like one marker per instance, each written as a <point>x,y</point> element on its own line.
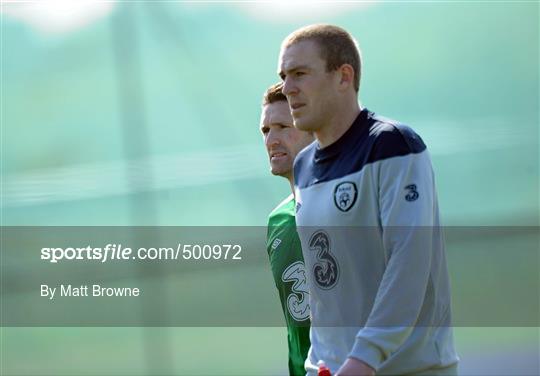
<point>346,72</point>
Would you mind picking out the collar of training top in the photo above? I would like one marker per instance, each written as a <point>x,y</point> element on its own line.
<point>347,140</point>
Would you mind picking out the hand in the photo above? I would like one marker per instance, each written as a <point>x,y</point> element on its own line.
<point>355,367</point>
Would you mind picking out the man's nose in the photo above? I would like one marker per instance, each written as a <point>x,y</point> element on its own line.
<point>288,87</point>
<point>271,138</point>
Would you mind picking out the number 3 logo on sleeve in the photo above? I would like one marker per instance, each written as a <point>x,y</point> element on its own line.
<point>412,194</point>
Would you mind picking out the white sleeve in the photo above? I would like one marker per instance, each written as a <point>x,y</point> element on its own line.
<point>407,210</point>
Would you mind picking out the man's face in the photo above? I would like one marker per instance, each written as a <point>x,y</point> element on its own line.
<point>310,89</point>
<point>281,139</point>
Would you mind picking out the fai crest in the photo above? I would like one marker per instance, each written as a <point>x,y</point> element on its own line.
<point>345,195</point>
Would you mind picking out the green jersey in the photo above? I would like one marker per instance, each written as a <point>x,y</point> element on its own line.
<point>287,263</point>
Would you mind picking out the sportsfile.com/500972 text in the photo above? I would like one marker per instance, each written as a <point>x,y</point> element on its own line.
<point>116,252</point>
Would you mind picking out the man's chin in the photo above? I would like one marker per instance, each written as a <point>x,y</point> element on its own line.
<point>302,125</point>
<point>282,173</point>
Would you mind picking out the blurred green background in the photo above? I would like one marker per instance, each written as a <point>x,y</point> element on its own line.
<point>146,113</point>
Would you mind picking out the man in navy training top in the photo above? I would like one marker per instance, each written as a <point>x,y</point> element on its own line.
<point>368,220</point>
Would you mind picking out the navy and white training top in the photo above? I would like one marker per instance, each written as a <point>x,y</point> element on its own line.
<point>368,220</point>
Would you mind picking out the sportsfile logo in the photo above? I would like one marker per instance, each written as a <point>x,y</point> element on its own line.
<point>117,252</point>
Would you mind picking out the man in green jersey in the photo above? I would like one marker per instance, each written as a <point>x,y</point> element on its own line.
<point>283,142</point>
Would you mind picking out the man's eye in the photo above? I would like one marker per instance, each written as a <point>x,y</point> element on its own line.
<point>298,74</point>
<point>264,130</point>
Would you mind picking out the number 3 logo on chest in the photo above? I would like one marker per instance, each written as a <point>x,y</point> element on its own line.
<point>326,270</point>
<point>298,299</point>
